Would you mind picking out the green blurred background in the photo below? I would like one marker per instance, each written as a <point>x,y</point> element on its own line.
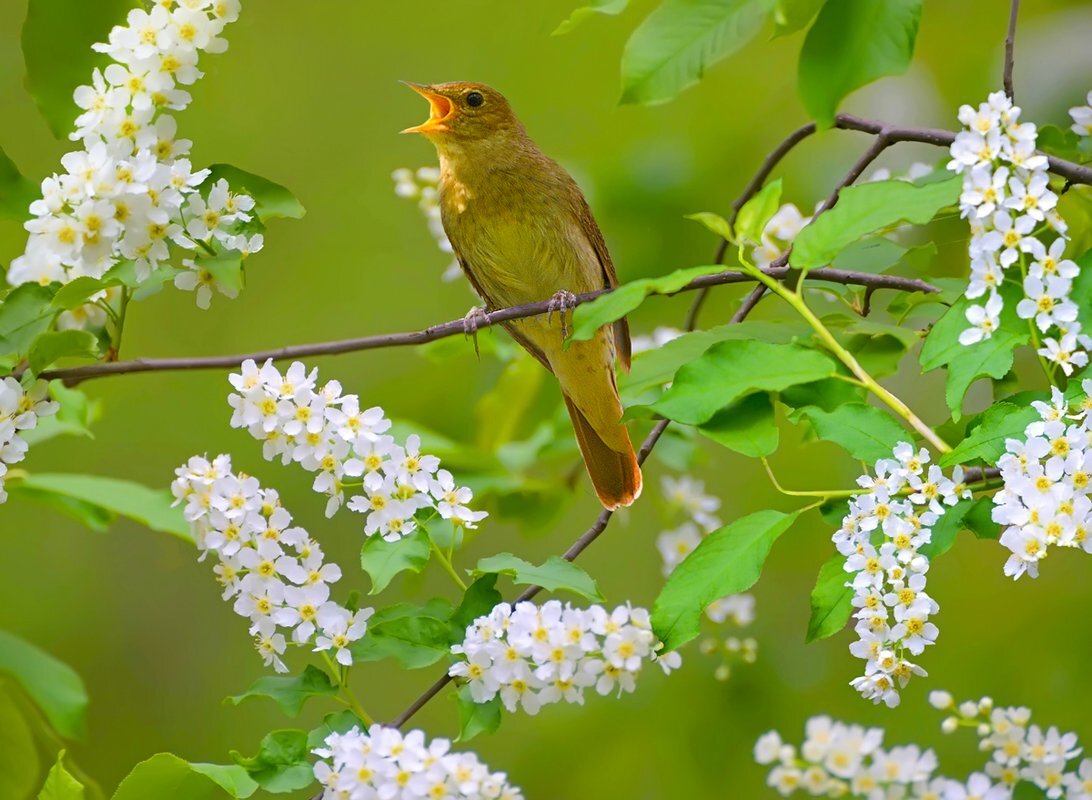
<point>308,96</point>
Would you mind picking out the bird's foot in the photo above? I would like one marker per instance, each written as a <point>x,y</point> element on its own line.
<point>563,302</point>
<point>471,321</point>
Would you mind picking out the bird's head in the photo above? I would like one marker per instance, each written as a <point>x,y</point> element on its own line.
<point>463,114</point>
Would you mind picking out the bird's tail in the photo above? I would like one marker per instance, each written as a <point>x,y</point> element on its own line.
<point>615,474</point>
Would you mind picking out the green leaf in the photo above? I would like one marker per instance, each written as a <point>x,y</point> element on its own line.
<point>869,208</point>
<point>851,44</point>
<point>1062,142</point>
<point>168,776</point>
<point>227,269</point>
<point>1025,790</point>
<point>979,519</point>
<point>24,314</point>
<point>863,431</point>
<point>59,783</point>
<point>382,560</point>
<point>714,223</point>
<point>52,346</point>
<point>827,394</point>
<point>986,442</point>
<point>604,7</point>
<point>476,718</point>
<point>944,531</point>
<point>290,693</point>
<point>73,418</point>
<point>57,39</point>
<point>149,507</point>
<point>874,254</point>
<point>657,367</point>
<point>52,685</point>
<point>831,600</point>
<point>281,764</point>
<point>19,764</point>
<point>730,370</point>
<point>726,562</point>
<point>747,426</point>
<point>555,574</point>
<point>605,309</point>
<point>16,192</point>
<point>480,598</point>
<point>271,199</point>
<point>757,212</point>
<point>79,290</point>
<point>1081,293</point>
<point>414,636</point>
<point>992,358</point>
<point>674,46</point>
<point>789,16</point>
<point>337,722</point>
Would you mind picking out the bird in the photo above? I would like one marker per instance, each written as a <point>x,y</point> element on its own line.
<point>523,232</point>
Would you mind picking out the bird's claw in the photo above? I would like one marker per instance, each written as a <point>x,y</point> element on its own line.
<point>563,302</point>
<point>470,324</point>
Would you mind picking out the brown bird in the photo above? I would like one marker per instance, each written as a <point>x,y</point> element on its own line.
<point>523,232</point>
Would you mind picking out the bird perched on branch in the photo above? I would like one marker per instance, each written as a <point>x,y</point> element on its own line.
<point>523,232</point>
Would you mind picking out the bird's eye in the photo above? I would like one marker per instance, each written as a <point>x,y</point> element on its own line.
<point>474,99</point>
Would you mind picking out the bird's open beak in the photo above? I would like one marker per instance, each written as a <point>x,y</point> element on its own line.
<point>441,110</point>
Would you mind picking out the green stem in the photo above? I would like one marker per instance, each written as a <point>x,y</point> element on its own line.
<point>1036,343</point>
<point>341,679</point>
<point>846,357</point>
<point>824,494</point>
<point>119,323</point>
<point>445,562</point>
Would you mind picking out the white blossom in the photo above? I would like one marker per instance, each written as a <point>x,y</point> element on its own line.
<point>1046,497</point>
<point>131,193</point>
<point>1082,118</point>
<point>324,431</point>
<point>423,185</point>
<point>533,656</point>
<point>20,409</point>
<point>274,573</point>
<point>881,538</point>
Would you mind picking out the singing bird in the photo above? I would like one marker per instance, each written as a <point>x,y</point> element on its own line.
<point>523,232</point>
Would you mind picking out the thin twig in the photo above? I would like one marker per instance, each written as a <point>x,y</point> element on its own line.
<point>750,190</point>
<point>74,375</point>
<point>1010,50</point>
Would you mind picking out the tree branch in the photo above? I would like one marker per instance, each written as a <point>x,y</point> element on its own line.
<point>1010,46</point>
<point>74,375</point>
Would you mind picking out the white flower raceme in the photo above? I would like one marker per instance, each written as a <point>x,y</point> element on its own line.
<point>423,185</point>
<point>384,764</point>
<point>20,409</point>
<point>537,655</point>
<point>273,571</point>
<point>327,432</point>
<point>131,192</point>
<point>1009,205</point>
<point>1047,497</point>
<point>838,760</point>
<point>1082,117</point>
<point>778,235</point>
<point>881,538</point>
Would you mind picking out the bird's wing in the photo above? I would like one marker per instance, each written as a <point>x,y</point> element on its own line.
<point>610,278</point>
<point>490,304</point>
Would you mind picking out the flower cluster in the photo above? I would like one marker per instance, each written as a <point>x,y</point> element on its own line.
<point>131,191</point>
<point>882,538</point>
<point>1047,497</point>
<point>327,432</point>
<point>1008,203</point>
<point>423,185</point>
<point>837,760</point>
<point>1082,118</point>
<point>274,571</point>
<point>384,763</point>
<point>687,495</point>
<point>778,235</point>
<point>20,409</point>
<point>1019,751</point>
<point>533,656</point>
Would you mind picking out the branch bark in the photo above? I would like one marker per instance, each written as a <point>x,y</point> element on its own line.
<point>73,375</point>
<point>1010,50</point>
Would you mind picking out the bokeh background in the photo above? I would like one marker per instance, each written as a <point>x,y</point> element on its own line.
<point>308,96</point>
